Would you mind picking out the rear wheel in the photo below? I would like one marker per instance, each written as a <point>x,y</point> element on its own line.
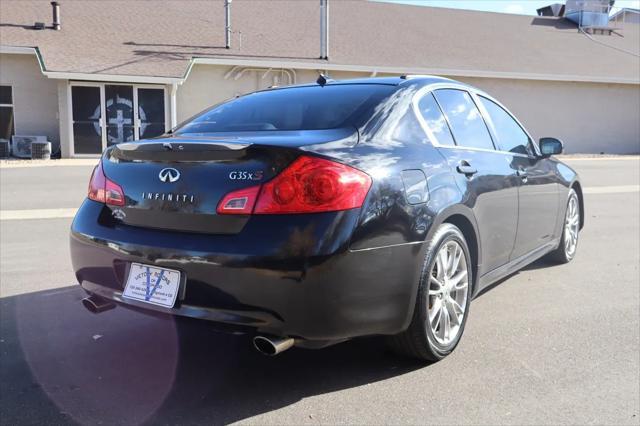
<point>444,294</point>
<point>566,251</point>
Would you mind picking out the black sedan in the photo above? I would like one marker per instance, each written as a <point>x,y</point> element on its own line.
<point>313,214</point>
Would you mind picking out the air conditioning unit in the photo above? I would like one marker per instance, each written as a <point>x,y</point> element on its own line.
<point>41,150</point>
<point>22,144</point>
<point>5,148</point>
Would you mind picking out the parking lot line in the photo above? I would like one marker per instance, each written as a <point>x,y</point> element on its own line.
<point>611,189</point>
<point>70,212</point>
<point>67,162</point>
<point>37,214</point>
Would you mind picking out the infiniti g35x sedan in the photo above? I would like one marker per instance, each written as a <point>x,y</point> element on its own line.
<point>313,214</point>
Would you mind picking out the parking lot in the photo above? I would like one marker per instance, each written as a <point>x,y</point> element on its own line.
<point>551,344</point>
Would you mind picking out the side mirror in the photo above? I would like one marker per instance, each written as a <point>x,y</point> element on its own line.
<point>551,146</point>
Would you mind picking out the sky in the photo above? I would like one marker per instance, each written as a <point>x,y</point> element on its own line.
<point>521,7</point>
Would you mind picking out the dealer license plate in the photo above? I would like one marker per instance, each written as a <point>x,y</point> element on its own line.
<point>150,284</point>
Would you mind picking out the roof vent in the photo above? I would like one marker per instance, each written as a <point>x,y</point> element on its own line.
<point>556,9</point>
<point>324,29</point>
<point>56,15</point>
<point>590,15</point>
<point>227,24</point>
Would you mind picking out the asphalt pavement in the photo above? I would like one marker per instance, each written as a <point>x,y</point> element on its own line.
<point>549,345</point>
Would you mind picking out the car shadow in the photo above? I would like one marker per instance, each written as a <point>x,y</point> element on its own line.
<point>122,367</point>
<point>542,263</point>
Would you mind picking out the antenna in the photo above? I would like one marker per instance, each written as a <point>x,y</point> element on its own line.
<point>323,79</point>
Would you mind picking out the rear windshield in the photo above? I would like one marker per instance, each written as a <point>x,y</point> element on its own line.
<point>297,108</point>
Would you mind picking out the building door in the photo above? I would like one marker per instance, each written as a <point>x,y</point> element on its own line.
<point>111,113</point>
<point>151,113</point>
<point>119,108</point>
<point>87,123</point>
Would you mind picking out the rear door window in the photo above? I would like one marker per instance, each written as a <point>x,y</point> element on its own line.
<point>467,124</point>
<point>511,137</point>
<point>435,121</point>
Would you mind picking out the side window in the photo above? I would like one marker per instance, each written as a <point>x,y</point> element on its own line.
<point>435,120</point>
<point>467,125</point>
<point>510,135</point>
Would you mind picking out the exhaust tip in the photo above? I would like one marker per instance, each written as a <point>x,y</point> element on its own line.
<point>96,305</point>
<point>271,346</point>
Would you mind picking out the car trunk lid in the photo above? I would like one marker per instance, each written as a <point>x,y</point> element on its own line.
<point>176,183</point>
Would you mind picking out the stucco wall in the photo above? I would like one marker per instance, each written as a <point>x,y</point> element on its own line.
<point>35,97</point>
<point>588,117</point>
<point>206,85</point>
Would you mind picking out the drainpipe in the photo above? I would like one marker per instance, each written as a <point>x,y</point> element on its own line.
<point>227,23</point>
<point>174,108</point>
<point>324,29</point>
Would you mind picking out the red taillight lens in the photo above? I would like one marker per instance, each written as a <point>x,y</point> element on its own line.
<point>114,193</point>
<point>312,185</point>
<point>239,202</point>
<point>97,184</point>
<point>104,190</point>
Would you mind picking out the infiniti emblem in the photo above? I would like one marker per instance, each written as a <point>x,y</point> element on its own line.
<point>169,175</point>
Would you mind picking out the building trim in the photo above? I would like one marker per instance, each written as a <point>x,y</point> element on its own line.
<point>17,50</point>
<point>63,75</point>
<point>402,70</point>
<point>116,78</point>
<point>320,65</point>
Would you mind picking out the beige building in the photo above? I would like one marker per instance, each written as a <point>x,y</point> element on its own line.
<point>136,69</point>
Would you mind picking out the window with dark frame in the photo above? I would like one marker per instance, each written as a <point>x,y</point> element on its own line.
<point>511,137</point>
<point>467,125</point>
<point>434,118</point>
<point>7,127</point>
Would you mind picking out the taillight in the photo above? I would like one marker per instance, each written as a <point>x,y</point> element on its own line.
<point>104,190</point>
<point>239,202</point>
<point>308,185</point>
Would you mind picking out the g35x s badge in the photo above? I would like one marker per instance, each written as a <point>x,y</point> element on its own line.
<point>243,175</point>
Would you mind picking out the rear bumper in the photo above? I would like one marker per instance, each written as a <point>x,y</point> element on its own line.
<point>282,275</point>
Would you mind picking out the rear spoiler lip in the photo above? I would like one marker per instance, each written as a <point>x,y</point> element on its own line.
<point>163,150</point>
<point>171,145</point>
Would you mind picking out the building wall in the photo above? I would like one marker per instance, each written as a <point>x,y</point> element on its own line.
<point>588,117</point>
<point>35,97</point>
<point>64,118</point>
<point>206,85</point>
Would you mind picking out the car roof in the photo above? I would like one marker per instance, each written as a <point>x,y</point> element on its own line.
<point>387,81</point>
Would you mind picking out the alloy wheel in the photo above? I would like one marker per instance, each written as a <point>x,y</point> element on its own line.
<point>571,227</point>
<point>448,292</point>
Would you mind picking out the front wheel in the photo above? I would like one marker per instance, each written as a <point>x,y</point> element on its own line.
<point>444,294</point>
<point>566,251</point>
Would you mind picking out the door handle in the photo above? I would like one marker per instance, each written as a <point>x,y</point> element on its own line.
<point>466,169</point>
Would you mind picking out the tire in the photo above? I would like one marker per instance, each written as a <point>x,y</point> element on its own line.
<point>566,251</point>
<point>421,340</point>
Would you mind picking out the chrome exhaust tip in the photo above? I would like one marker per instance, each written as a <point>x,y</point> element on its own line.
<point>96,305</point>
<point>272,346</point>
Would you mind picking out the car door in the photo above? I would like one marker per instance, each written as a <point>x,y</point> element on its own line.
<point>537,182</point>
<point>484,175</point>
